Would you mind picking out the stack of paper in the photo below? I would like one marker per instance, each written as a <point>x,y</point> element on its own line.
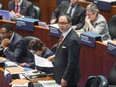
<point>20,83</point>
<point>42,62</point>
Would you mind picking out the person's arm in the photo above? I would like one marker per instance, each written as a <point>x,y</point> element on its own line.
<point>30,11</point>
<point>81,21</point>
<point>17,53</point>
<point>51,58</point>
<point>55,14</point>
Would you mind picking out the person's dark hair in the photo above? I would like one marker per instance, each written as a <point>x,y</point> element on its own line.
<point>8,27</point>
<point>67,16</point>
<point>36,45</point>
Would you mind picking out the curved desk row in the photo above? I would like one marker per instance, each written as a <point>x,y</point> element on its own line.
<point>40,32</point>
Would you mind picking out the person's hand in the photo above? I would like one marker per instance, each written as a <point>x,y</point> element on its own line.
<point>51,58</point>
<point>24,64</point>
<point>5,42</point>
<point>73,27</point>
<point>53,21</point>
<point>87,20</point>
<point>63,83</point>
<point>17,15</point>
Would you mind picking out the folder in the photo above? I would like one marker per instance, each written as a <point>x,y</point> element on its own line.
<point>15,70</point>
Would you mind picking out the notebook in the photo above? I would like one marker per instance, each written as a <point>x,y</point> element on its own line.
<point>5,14</point>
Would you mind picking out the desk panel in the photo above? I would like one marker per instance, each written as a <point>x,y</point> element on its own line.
<point>95,61</point>
<point>2,80</point>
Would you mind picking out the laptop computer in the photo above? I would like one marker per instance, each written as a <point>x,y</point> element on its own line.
<point>5,14</point>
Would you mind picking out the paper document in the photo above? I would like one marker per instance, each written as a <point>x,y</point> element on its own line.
<point>42,62</point>
<point>10,63</point>
<point>2,59</point>
<point>54,25</point>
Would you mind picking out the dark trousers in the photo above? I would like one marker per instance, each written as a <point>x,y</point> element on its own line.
<point>72,85</point>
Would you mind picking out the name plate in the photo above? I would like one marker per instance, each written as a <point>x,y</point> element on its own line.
<point>89,38</point>
<point>26,24</point>
<point>54,30</point>
<point>112,47</point>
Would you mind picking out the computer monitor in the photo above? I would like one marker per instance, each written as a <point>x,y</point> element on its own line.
<point>5,14</point>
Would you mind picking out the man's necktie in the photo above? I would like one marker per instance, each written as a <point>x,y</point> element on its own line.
<point>17,8</point>
<point>70,12</point>
<point>60,41</point>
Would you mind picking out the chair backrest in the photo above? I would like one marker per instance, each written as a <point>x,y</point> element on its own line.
<point>100,81</point>
<point>112,27</point>
<point>1,6</point>
<point>90,81</point>
<point>37,12</point>
<point>27,39</point>
<point>53,49</point>
<point>112,75</point>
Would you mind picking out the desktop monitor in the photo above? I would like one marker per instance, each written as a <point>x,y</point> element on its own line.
<point>5,14</point>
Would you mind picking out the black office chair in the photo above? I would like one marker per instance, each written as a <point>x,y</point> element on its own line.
<point>90,81</point>
<point>37,12</point>
<point>97,81</point>
<point>112,27</point>
<point>100,81</point>
<point>112,76</point>
<point>1,6</point>
<point>27,39</point>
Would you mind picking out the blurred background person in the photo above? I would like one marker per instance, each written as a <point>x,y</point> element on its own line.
<point>95,22</point>
<point>21,8</point>
<point>13,45</point>
<point>74,9</point>
<point>37,47</point>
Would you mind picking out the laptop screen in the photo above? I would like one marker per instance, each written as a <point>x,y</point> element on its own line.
<point>5,14</point>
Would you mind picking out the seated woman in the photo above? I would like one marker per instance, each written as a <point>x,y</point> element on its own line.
<point>95,22</point>
<point>37,47</point>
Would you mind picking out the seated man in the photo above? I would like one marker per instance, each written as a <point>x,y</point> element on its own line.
<point>95,22</point>
<point>74,9</point>
<point>21,8</point>
<point>37,47</point>
<point>13,44</point>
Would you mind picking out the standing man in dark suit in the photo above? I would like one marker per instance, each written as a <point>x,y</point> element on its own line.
<point>21,8</point>
<point>13,44</point>
<point>71,7</point>
<point>66,59</point>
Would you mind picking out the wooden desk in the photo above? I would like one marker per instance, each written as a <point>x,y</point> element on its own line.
<point>2,80</point>
<point>95,61</point>
<point>40,32</point>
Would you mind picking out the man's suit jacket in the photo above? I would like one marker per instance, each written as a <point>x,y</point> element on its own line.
<point>26,8</point>
<point>16,51</point>
<point>67,62</point>
<point>78,17</point>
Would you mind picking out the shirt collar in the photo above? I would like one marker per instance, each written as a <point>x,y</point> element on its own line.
<point>12,37</point>
<point>20,2</point>
<point>66,33</point>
